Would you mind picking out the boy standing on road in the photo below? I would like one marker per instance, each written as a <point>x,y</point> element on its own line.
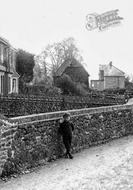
<point>65,129</point>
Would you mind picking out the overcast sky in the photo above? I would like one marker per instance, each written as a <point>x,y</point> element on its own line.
<point>32,24</point>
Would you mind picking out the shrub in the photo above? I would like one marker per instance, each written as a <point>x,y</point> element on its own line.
<point>69,87</point>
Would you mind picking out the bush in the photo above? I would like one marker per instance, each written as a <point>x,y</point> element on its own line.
<point>37,90</point>
<point>67,86</point>
<point>80,90</point>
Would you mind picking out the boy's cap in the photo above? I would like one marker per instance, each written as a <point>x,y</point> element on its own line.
<point>66,115</point>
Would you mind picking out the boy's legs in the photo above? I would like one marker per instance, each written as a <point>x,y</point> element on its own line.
<point>70,156</point>
<point>67,143</point>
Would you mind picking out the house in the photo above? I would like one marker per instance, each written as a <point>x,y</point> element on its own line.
<point>75,70</point>
<point>8,75</point>
<point>110,77</point>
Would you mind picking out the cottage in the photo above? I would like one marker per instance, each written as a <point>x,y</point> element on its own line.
<point>110,77</point>
<point>75,70</point>
<point>8,75</point>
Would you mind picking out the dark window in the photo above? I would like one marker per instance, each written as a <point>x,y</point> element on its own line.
<point>2,84</point>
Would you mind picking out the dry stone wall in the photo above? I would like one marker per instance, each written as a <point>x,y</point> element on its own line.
<point>32,140</point>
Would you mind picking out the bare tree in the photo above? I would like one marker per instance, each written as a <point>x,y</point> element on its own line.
<point>55,54</point>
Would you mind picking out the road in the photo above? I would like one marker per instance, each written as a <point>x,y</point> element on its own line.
<point>108,166</point>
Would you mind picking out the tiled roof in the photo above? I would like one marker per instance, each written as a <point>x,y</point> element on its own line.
<point>110,70</point>
<point>67,63</point>
<point>6,42</point>
<point>3,40</point>
<point>62,68</point>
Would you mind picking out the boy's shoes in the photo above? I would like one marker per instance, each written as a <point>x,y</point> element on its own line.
<point>66,155</point>
<point>70,156</point>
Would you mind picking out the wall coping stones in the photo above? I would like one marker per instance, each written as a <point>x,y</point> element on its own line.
<point>58,114</point>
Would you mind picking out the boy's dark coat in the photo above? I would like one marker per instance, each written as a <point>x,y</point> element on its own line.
<point>66,129</point>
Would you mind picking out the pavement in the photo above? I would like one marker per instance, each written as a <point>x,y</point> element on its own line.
<point>108,166</point>
<point>130,101</point>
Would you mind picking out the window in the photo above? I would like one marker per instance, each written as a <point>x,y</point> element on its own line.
<point>2,84</point>
<point>1,54</point>
<point>14,89</point>
<point>92,85</point>
<point>5,56</point>
<point>9,84</point>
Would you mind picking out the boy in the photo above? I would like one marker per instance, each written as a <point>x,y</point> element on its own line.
<point>65,129</point>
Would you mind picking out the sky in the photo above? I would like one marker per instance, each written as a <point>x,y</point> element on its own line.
<point>32,24</point>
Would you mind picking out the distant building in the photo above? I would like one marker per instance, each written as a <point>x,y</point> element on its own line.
<point>75,70</point>
<point>110,77</point>
<point>8,75</point>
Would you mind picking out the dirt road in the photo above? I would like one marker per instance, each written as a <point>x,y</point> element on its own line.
<point>108,166</point>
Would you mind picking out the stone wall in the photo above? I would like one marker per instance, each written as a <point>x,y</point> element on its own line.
<point>114,82</point>
<point>31,140</point>
<point>17,106</point>
<point>97,84</point>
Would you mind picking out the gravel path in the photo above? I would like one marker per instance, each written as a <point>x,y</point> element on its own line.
<point>108,166</point>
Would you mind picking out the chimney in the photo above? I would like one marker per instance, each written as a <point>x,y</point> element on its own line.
<point>110,64</point>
